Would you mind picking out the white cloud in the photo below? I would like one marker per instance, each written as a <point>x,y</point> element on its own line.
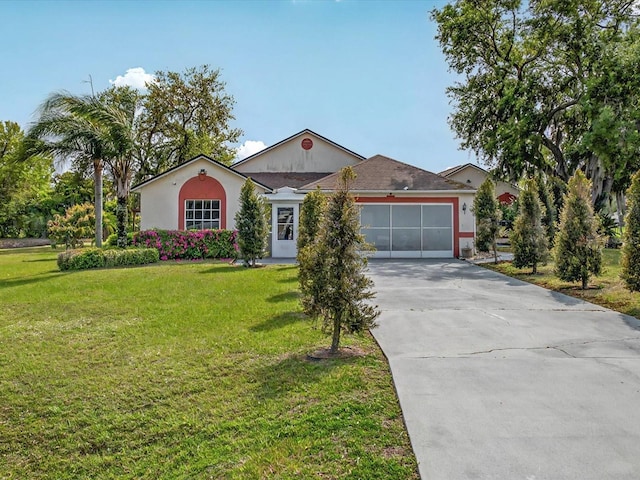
<point>134,77</point>
<point>250,147</point>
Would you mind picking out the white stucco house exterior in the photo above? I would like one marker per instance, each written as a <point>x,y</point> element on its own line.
<point>406,211</point>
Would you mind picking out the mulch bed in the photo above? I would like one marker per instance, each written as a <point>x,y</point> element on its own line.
<point>343,352</point>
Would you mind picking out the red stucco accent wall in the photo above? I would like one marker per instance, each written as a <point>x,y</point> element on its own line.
<point>202,188</point>
<point>452,200</point>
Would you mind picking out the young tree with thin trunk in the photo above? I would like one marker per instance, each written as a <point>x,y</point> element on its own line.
<point>251,224</point>
<point>631,238</point>
<point>529,239</point>
<point>347,290</point>
<point>486,208</point>
<point>578,247</point>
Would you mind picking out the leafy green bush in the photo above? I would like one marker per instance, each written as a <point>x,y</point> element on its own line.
<point>130,256</point>
<point>112,240</point>
<point>77,223</point>
<point>87,258</point>
<point>81,259</point>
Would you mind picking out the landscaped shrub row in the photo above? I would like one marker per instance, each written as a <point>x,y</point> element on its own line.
<point>86,258</point>
<point>190,244</point>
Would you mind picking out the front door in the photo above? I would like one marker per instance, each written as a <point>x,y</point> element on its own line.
<point>284,230</point>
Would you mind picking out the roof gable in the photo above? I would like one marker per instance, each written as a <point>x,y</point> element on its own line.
<point>384,174</point>
<point>215,163</point>
<point>262,161</point>
<point>459,168</point>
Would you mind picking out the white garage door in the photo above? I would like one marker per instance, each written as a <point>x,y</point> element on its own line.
<point>406,230</point>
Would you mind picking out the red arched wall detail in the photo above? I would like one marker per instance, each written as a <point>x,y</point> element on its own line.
<point>206,188</point>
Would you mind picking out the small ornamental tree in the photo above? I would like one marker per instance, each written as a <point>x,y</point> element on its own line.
<point>529,239</point>
<point>486,208</point>
<point>347,290</point>
<point>311,266</point>
<point>549,212</point>
<point>251,224</point>
<point>311,214</point>
<point>77,223</point>
<point>631,237</point>
<point>578,247</point>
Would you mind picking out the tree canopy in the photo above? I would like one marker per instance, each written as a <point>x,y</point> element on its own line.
<point>183,115</point>
<point>546,86</point>
<point>24,186</point>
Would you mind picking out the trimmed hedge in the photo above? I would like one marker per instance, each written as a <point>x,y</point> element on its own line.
<point>189,244</point>
<point>86,258</point>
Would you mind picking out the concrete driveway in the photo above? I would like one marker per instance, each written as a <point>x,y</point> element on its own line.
<point>500,379</point>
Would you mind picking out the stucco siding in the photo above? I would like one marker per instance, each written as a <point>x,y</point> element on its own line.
<point>291,157</point>
<point>160,199</point>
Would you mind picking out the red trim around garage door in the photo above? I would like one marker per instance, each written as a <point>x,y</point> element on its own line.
<point>449,200</point>
<point>202,188</point>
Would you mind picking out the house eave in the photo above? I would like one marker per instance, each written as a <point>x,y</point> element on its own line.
<point>139,186</point>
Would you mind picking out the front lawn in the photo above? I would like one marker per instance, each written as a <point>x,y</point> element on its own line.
<point>182,370</point>
<point>607,290</point>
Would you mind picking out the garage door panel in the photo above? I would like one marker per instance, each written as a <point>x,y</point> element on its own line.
<point>378,237</point>
<point>415,230</point>
<point>406,216</point>
<point>436,216</point>
<point>406,239</point>
<point>375,216</point>
<point>437,239</point>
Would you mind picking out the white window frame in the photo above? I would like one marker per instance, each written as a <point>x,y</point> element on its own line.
<point>213,222</point>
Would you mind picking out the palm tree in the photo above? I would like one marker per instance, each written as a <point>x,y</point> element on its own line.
<point>119,114</point>
<point>66,128</point>
<point>96,131</point>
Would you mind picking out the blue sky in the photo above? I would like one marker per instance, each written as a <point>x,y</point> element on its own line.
<point>367,74</point>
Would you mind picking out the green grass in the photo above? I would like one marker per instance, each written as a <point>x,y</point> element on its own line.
<point>607,289</point>
<point>191,370</point>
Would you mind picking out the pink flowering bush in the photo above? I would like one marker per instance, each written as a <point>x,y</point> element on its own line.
<point>189,244</point>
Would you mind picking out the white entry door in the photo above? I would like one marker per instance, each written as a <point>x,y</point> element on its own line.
<point>284,230</point>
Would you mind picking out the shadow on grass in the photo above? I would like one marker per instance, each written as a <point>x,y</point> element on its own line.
<point>292,373</point>
<point>283,297</point>
<point>224,269</point>
<point>279,321</point>
<point>40,260</point>
<point>16,282</point>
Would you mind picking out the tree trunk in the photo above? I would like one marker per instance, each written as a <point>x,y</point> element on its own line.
<point>561,165</point>
<point>121,218</point>
<point>620,205</point>
<point>535,269</point>
<point>335,339</point>
<point>585,281</point>
<point>97,185</point>
<point>495,252</point>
